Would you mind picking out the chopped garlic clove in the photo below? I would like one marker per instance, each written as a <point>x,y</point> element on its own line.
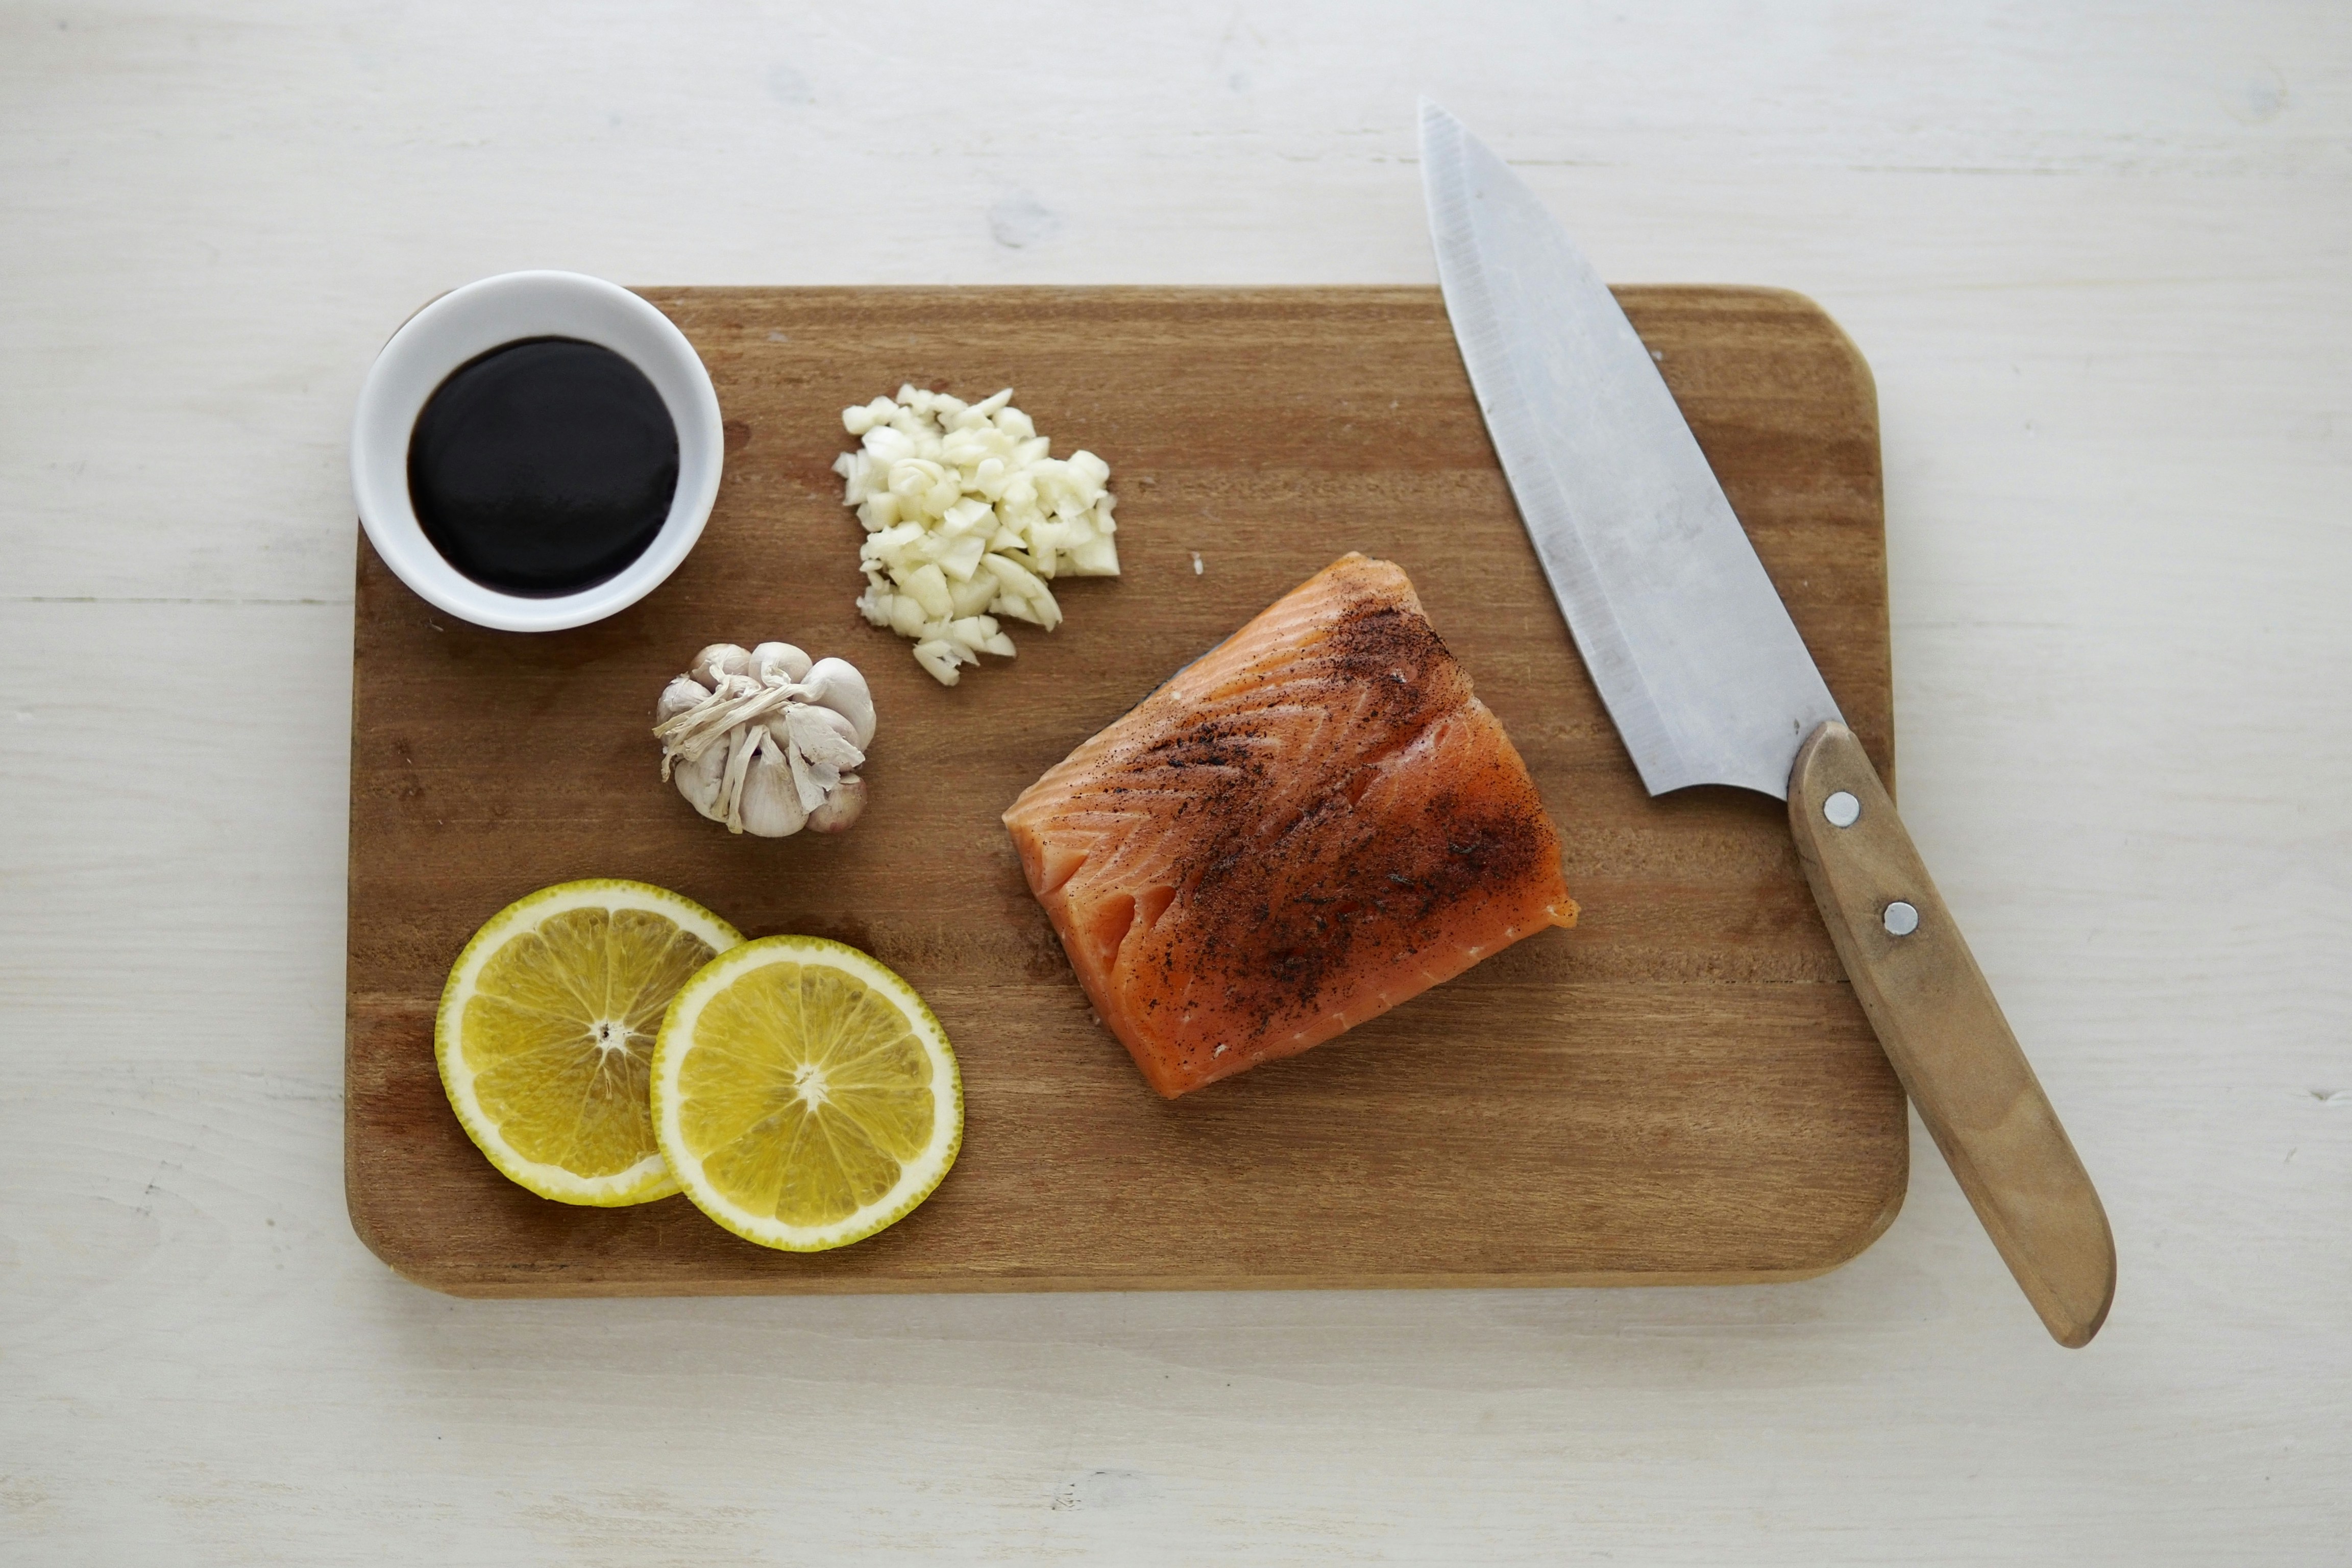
<point>974,595</point>
<point>966,515</point>
<point>961,558</point>
<point>886,444</point>
<point>907,618</point>
<point>1038,608</point>
<point>1019,582</point>
<point>1098,557</point>
<point>938,656</point>
<point>928,588</point>
<point>892,541</point>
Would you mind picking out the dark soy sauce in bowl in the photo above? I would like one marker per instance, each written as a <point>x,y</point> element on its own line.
<point>543,467</point>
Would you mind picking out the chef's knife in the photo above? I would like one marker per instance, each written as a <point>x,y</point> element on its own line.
<point>1709,683</point>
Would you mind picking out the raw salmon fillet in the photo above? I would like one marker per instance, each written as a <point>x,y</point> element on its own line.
<point>1312,823</point>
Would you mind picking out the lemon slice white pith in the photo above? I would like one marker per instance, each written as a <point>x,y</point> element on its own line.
<point>546,1031</point>
<point>803,1094</point>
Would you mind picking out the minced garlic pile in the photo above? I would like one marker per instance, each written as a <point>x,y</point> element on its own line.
<point>967,518</point>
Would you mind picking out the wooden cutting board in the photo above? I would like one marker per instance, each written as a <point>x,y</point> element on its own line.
<point>1681,1090</point>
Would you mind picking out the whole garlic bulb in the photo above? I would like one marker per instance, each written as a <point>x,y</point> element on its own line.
<point>767,740</point>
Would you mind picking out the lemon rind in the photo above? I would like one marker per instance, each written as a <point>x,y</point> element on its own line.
<point>649,1179</point>
<point>917,1182</point>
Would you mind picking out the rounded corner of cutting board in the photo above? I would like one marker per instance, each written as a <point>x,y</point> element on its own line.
<point>1864,387</point>
<point>1785,319</point>
<point>412,1262</point>
<point>430,1264</point>
<point>1846,1244</point>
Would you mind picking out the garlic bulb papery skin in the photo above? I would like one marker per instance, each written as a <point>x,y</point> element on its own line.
<point>967,518</point>
<point>767,740</point>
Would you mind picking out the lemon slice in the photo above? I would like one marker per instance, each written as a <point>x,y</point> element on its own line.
<point>547,1028</point>
<point>803,1094</point>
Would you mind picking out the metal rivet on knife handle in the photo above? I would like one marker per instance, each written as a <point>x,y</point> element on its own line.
<point>1841,809</point>
<point>1949,1042</point>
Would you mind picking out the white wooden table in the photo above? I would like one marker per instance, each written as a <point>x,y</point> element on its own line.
<point>2100,255</point>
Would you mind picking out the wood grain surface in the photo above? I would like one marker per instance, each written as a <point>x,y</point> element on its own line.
<point>1683,1089</point>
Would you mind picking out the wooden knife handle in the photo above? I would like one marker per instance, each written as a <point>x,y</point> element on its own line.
<point>1946,1036</point>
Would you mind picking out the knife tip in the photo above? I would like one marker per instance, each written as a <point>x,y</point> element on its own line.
<point>1439,129</point>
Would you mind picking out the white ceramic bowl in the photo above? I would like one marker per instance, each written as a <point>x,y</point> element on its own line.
<point>473,321</point>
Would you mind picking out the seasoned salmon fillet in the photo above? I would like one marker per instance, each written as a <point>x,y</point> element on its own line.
<point>1313,822</point>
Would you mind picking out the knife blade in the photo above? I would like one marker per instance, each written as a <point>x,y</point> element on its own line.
<point>1708,682</point>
